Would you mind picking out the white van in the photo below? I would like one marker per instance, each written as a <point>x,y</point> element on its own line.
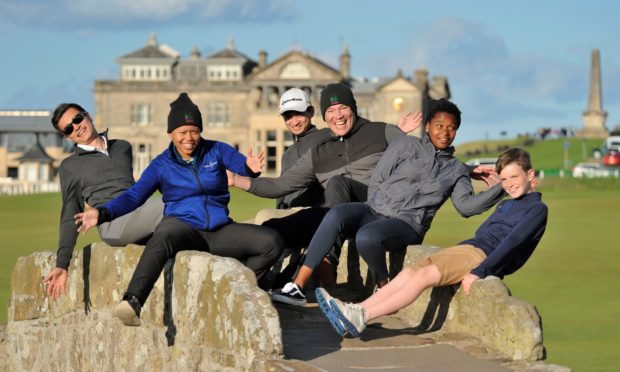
<point>612,143</point>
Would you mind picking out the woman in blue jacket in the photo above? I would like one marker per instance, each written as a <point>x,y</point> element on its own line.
<point>191,176</point>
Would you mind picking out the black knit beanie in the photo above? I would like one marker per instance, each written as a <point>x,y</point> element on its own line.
<point>183,112</point>
<point>334,94</point>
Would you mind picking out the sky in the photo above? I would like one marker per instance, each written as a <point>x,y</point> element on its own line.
<point>512,66</point>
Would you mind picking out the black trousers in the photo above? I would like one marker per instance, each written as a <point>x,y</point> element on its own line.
<point>340,190</point>
<point>257,247</point>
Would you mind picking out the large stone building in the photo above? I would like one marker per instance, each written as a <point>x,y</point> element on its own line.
<point>30,152</point>
<point>238,97</point>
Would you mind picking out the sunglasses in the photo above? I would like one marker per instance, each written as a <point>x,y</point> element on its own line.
<point>77,119</point>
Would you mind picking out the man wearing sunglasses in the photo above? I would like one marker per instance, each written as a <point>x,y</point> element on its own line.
<point>99,170</point>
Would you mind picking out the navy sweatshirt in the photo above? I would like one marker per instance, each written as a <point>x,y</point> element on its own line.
<point>510,234</point>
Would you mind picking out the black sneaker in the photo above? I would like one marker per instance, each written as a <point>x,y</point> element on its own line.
<point>128,311</point>
<point>290,294</point>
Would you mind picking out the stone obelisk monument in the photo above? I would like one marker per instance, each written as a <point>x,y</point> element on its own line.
<point>594,116</point>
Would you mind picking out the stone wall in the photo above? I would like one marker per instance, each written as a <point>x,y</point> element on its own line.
<point>222,321</point>
<point>503,323</point>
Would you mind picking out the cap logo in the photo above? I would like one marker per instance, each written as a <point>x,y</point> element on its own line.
<point>333,100</point>
<point>189,118</point>
<point>284,102</point>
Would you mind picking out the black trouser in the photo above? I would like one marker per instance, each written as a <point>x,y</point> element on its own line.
<point>257,247</point>
<point>342,189</point>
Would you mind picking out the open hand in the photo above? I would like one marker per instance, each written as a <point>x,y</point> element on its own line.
<point>485,173</point>
<point>257,162</point>
<point>56,282</point>
<point>410,121</point>
<point>86,220</point>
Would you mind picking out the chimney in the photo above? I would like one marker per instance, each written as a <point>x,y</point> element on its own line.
<point>345,64</point>
<point>262,59</point>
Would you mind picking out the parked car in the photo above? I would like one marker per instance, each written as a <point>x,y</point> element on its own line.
<point>612,158</point>
<point>590,170</point>
<point>482,161</point>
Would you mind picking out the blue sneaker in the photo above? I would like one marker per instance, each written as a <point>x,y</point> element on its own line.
<point>323,298</point>
<point>353,316</point>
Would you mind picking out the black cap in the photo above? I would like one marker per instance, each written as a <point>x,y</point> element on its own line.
<point>338,93</point>
<point>183,112</point>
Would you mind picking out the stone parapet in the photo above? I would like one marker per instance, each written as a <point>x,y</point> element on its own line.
<point>501,322</point>
<point>222,320</point>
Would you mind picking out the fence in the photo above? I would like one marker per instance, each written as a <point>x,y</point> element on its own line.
<point>13,187</point>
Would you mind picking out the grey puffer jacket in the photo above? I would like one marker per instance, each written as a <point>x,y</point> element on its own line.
<point>413,179</point>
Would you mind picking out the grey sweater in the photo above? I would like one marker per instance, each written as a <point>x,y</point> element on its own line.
<point>413,179</point>
<point>313,195</point>
<point>354,155</point>
<point>94,178</point>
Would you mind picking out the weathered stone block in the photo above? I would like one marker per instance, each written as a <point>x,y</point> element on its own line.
<point>223,320</point>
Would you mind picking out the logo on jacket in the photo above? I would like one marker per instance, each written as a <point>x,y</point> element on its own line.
<point>210,165</point>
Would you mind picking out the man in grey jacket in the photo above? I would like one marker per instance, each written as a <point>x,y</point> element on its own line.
<point>98,170</point>
<point>412,180</point>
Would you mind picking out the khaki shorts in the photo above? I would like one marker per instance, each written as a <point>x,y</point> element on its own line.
<point>454,262</point>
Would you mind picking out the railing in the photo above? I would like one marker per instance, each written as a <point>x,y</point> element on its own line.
<point>13,187</point>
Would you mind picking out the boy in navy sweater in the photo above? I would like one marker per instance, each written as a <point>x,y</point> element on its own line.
<point>502,244</point>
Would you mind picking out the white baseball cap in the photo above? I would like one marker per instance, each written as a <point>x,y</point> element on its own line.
<point>294,99</point>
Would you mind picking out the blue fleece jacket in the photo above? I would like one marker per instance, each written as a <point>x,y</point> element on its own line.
<point>194,192</point>
<point>510,234</point>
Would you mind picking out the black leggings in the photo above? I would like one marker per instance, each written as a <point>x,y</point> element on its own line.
<point>257,247</point>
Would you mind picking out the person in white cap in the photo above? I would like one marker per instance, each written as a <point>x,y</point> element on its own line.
<point>297,111</point>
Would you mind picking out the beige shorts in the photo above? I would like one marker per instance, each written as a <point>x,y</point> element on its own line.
<point>454,262</point>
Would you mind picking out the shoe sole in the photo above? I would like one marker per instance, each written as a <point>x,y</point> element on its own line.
<point>329,314</point>
<point>125,313</point>
<point>350,327</point>
<point>288,300</point>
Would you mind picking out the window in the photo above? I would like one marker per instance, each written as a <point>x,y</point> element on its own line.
<point>141,114</point>
<point>142,158</point>
<point>217,114</point>
<point>224,72</point>
<point>272,150</point>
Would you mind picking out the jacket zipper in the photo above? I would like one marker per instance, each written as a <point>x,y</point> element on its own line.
<point>208,222</point>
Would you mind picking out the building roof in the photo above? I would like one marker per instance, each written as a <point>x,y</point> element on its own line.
<point>152,50</point>
<point>230,53</point>
<point>26,121</point>
<point>36,153</point>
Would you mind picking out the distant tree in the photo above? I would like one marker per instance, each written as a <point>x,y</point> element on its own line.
<point>615,131</point>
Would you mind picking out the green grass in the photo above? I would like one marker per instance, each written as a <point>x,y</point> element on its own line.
<point>547,154</point>
<point>572,278</point>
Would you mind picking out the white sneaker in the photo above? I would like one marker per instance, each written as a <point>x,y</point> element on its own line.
<point>126,314</point>
<point>353,316</point>
<point>323,298</point>
<point>290,294</point>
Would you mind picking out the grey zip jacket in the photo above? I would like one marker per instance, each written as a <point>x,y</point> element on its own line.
<point>353,155</point>
<point>413,179</point>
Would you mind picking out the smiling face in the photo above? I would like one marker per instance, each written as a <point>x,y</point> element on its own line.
<point>516,181</point>
<point>442,130</point>
<point>83,132</point>
<point>340,119</point>
<point>298,122</point>
<point>185,139</point>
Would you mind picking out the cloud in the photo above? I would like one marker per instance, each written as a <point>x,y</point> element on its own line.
<point>83,15</point>
<point>497,88</point>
